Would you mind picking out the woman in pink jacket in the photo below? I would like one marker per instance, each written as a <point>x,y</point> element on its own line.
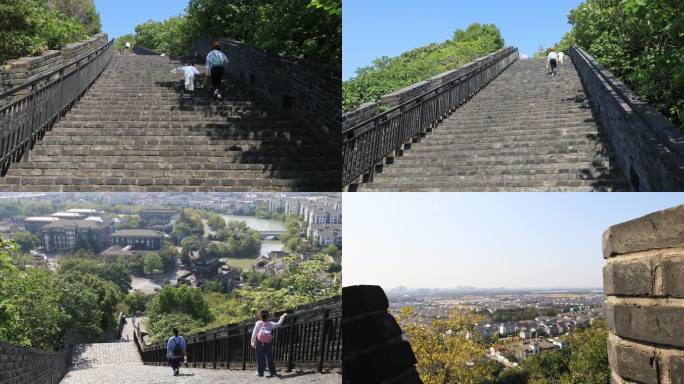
<point>262,340</point>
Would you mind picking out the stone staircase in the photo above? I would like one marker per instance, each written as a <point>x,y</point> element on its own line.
<point>136,130</point>
<point>526,131</point>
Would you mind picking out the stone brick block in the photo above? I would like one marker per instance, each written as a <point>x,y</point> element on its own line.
<point>654,324</point>
<point>677,370</point>
<point>663,229</point>
<point>672,271</point>
<point>634,363</point>
<point>628,278</point>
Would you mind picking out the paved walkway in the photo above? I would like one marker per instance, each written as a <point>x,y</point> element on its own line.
<point>120,363</point>
<point>158,375</point>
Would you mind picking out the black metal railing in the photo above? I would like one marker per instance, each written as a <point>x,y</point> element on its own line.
<point>311,337</point>
<point>368,143</point>
<point>35,106</point>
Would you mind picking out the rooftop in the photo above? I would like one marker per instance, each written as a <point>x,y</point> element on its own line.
<point>66,223</point>
<point>136,233</point>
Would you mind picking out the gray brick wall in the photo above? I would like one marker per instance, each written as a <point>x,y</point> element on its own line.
<point>643,281</point>
<point>19,365</point>
<point>25,69</point>
<point>648,147</point>
<point>311,90</point>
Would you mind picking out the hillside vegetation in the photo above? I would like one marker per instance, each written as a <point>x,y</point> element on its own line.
<point>30,27</point>
<point>641,42</point>
<point>388,74</point>
<point>305,29</point>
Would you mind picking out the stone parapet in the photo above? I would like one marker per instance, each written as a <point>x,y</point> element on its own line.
<point>645,298</point>
<point>412,91</point>
<point>648,147</point>
<point>20,365</point>
<point>26,69</point>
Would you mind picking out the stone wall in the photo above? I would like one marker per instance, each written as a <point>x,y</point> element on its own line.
<point>648,147</point>
<point>26,69</point>
<point>19,365</point>
<point>311,90</point>
<point>644,282</point>
<point>374,350</point>
<point>391,100</point>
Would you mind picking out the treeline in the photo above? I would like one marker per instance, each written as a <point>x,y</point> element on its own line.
<point>38,307</point>
<point>307,29</point>
<point>460,360</point>
<point>193,310</point>
<point>387,74</point>
<point>30,27</point>
<point>518,314</point>
<point>641,42</point>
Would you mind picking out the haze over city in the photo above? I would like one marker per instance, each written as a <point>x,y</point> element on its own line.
<point>512,241</point>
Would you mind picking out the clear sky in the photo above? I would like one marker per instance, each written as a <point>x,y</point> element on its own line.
<point>372,29</point>
<point>484,240</point>
<point>120,17</point>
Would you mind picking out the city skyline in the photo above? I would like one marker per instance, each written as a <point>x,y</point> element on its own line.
<point>526,25</point>
<point>511,241</point>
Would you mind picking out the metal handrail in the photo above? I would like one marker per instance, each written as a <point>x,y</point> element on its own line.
<point>25,120</point>
<point>310,337</point>
<point>367,143</point>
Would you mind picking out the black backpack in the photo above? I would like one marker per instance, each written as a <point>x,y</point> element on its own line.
<point>177,350</point>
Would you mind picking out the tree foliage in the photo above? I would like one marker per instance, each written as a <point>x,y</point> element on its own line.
<point>442,350</point>
<point>640,41</point>
<point>306,29</point>
<point>32,26</point>
<point>387,74</point>
<point>26,240</point>
<point>114,272</point>
<point>182,307</point>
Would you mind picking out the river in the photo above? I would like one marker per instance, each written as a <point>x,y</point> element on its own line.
<point>261,225</point>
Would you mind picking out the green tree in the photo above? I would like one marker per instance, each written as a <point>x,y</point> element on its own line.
<point>639,41</point>
<point>589,358</point>
<point>180,306</point>
<point>82,10</point>
<point>153,263</point>
<point>547,367</point>
<point>216,222</point>
<point>171,37</point>
<point>117,273</point>
<point>390,74</point>
<point>26,240</point>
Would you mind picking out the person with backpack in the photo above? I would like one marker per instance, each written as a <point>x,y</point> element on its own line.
<point>216,62</point>
<point>262,341</point>
<point>175,351</point>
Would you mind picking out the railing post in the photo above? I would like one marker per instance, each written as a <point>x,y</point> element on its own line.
<point>227,347</point>
<point>214,348</point>
<point>290,345</point>
<point>245,341</point>
<point>323,341</point>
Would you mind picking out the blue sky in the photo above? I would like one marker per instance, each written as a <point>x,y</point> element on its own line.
<point>371,29</point>
<point>120,17</point>
<point>485,240</point>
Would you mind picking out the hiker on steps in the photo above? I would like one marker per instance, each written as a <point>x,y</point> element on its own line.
<point>262,340</point>
<point>188,72</point>
<point>175,351</point>
<point>561,58</point>
<point>216,62</point>
<point>552,60</point>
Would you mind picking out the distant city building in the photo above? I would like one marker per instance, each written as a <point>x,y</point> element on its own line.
<point>157,215</point>
<point>34,224</point>
<point>327,234</point>
<point>62,235</point>
<point>138,239</point>
<point>276,205</point>
<point>69,215</point>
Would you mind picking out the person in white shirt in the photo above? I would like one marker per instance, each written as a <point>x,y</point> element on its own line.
<point>561,57</point>
<point>189,72</point>
<point>262,341</point>
<point>552,60</point>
